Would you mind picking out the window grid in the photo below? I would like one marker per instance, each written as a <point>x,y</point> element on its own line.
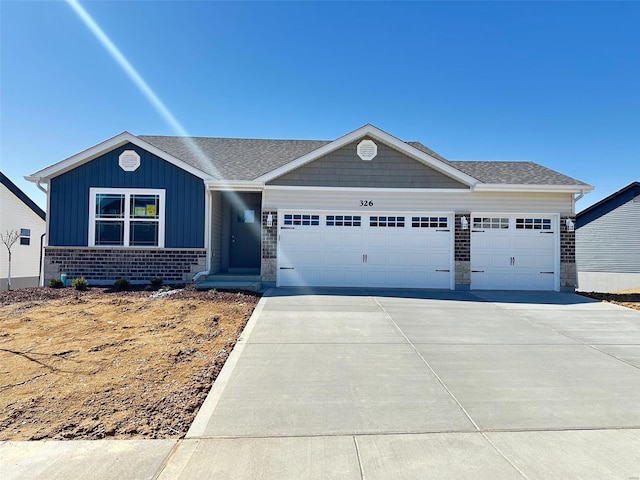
<point>533,223</point>
<point>301,219</point>
<point>491,222</point>
<point>429,222</point>
<point>128,219</point>
<point>344,220</point>
<point>386,222</point>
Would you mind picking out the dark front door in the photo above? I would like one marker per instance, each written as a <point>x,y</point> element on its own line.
<point>245,236</point>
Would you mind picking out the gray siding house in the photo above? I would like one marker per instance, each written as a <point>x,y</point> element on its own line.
<point>608,242</point>
<point>364,210</point>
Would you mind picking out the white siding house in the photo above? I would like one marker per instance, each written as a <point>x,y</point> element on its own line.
<point>18,212</point>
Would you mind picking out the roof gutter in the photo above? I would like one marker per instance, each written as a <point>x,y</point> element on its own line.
<point>238,186</point>
<point>505,187</point>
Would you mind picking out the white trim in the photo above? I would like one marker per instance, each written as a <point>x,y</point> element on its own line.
<point>207,226</point>
<point>506,187</point>
<point>93,191</point>
<point>384,137</point>
<point>368,189</point>
<point>106,146</point>
<point>234,185</point>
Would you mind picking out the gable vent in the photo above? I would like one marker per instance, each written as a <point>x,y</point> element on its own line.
<point>367,150</point>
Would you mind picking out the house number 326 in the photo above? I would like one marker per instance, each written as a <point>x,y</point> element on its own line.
<point>366,203</point>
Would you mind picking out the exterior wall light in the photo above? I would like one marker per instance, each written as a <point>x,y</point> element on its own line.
<point>269,220</point>
<point>464,223</point>
<point>570,225</point>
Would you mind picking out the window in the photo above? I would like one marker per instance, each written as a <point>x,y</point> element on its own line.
<point>25,236</point>
<point>533,223</point>
<point>300,219</point>
<point>429,222</point>
<point>344,220</point>
<point>491,222</point>
<point>125,217</point>
<point>386,222</point>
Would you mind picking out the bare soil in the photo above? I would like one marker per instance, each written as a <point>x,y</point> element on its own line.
<point>105,364</point>
<point>627,298</point>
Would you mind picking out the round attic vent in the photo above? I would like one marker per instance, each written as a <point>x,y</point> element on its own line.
<point>367,150</point>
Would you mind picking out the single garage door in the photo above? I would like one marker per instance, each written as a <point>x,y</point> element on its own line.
<point>349,249</point>
<point>513,252</point>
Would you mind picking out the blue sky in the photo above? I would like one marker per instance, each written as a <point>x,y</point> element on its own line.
<point>557,83</point>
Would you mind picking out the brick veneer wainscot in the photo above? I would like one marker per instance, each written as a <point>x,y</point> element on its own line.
<point>137,265</point>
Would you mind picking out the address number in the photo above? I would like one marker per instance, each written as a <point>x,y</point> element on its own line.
<point>366,203</point>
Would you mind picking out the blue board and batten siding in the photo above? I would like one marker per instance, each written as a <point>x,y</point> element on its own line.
<point>69,198</point>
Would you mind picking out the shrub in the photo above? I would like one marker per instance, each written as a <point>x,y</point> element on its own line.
<point>56,283</point>
<point>79,283</point>
<point>121,284</point>
<point>212,293</point>
<point>156,282</point>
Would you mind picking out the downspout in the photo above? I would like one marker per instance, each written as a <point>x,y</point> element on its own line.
<point>40,272</point>
<point>207,234</point>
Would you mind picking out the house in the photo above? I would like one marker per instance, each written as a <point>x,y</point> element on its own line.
<point>608,242</point>
<point>366,209</point>
<point>20,214</point>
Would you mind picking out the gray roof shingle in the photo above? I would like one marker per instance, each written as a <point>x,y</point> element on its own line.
<point>247,159</point>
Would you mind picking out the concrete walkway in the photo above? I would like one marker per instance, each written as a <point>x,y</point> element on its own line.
<point>353,384</point>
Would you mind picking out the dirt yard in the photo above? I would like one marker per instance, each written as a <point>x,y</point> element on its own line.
<point>105,364</point>
<point>626,298</point>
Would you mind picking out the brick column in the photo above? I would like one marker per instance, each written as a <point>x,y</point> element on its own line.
<point>269,260</point>
<point>462,253</point>
<point>568,271</point>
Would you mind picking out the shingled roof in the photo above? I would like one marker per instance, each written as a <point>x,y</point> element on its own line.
<point>238,159</point>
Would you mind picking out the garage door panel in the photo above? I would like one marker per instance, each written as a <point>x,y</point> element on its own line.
<point>386,252</point>
<point>513,252</point>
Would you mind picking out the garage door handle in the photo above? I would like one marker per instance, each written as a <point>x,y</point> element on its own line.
<point>477,271</point>
<point>287,268</point>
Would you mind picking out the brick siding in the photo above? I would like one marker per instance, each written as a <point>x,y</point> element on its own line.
<point>103,266</point>
<point>568,271</point>
<point>462,252</point>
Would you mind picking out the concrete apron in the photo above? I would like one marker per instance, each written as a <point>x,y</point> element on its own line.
<point>389,384</point>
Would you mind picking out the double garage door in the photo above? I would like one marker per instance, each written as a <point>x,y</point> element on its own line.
<point>349,249</point>
<point>414,250</point>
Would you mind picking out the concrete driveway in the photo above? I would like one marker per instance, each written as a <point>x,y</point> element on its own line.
<point>352,384</point>
<point>357,384</point>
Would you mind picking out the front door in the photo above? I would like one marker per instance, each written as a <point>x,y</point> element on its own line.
<point>245,236</point>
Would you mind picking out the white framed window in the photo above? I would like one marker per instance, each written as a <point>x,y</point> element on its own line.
<point>126,217</point>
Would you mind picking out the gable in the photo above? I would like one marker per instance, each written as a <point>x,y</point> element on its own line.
<point>389,169</point>
<point>20,195</point>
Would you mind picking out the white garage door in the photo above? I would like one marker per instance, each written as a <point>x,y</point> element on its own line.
<point>374,249</point>
<point>513,252</point>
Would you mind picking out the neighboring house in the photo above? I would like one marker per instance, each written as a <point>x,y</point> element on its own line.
<point>608,242</point>
<point>18,212</point>
<point>366,209</point>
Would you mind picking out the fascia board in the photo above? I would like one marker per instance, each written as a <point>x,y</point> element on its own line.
<point>246,186</point>
<point>376,133</point>
<point>500,187</point>
<point>367,189</point>
<point>85,156</point>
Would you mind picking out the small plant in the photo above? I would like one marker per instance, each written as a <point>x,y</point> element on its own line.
<point>121,284</point>
<point>156,282</point>
<point>80,284</point>
<point>166,288</point>
<point>56,283</point>
<point>212,293</point>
